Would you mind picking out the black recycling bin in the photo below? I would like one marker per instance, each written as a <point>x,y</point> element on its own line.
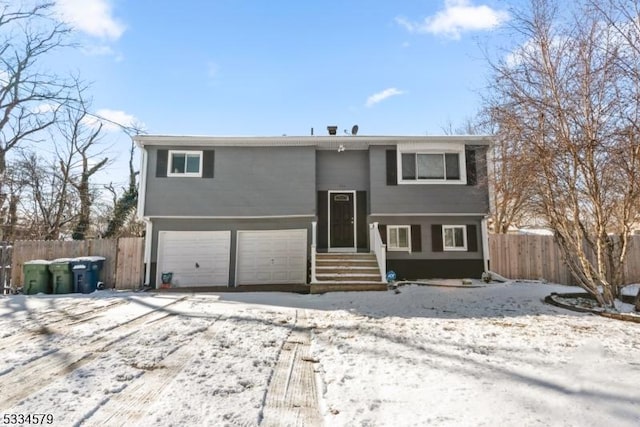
<point>86,273</point>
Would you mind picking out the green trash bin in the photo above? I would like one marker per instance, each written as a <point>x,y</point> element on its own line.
<point>61,276</point>
<point>37,278</point>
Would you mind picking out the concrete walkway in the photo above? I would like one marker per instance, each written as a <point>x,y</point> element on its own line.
<point>292,398</point>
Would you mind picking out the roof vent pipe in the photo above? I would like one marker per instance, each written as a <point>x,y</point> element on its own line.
<point>333,130</point>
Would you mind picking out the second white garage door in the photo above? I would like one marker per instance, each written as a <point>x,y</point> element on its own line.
<point>271,257</point>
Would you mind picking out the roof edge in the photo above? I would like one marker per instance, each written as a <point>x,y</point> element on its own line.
<point>143,140</point>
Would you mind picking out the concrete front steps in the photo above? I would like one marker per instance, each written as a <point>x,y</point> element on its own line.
<point>347,272</point>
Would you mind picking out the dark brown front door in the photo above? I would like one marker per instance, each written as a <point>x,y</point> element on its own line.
<point>341,213</point>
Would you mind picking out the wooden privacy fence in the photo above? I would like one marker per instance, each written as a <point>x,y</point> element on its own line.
<point>5,265</point>
<point>525,256</point>
<point>123,267</point>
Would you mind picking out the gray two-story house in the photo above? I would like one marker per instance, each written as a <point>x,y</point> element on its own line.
<point>318,210</point>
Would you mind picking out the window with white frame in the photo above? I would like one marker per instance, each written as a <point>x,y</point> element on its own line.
<point>454,237</point>
<point>399,238</point>
<point>185,163</point>
<point>432,167</point>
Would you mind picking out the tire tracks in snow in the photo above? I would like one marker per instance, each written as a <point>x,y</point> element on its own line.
<point>26,379</point>
<point>130,405</point>
<point>69,319</point>
<point>292,395</point>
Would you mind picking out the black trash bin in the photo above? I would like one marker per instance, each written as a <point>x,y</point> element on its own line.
<point>86,273</point>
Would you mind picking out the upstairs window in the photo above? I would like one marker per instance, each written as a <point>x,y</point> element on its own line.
<point>431,167</point>
<point>185,163</point>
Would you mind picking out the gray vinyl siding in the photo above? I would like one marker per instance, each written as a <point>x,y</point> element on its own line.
<point>232,225</point>
<point>347,170</point>
<point>248,181</point>
<point>424,198</point>
<point>425,230</point>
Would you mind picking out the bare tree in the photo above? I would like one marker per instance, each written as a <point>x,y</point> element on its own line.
<point>125,205</point>
<point>510,168</point>
<point>622,16</point>
<point>48,207</point>
<point>29,96</point>
<point>568,100</point>
<point>14,184</point>
<point>81,136</point>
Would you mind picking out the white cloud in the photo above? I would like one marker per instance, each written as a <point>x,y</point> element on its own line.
<point>93,17</point>
<point>112,120</point>
<point>101,50</point>
<point>408,25</point>
<point>45,108</point>
<point>457,17</point>
<point>381,96</point>
<point>530,51</point>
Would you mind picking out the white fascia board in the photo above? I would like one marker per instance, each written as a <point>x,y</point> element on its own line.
<point>230,216</point>
<point>480,214</point>
<point>316,141</point>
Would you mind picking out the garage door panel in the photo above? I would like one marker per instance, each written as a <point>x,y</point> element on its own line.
<point>273,256</point>
<point>195,258</point>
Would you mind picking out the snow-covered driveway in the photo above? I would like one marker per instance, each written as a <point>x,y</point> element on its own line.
<point>428,355</point>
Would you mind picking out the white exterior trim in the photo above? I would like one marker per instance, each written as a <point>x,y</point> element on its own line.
<point>481,214</point>
<point>350,141</point>
<point>230,216</point>
<point>184,174</point>
<point>484,233</point>
<point>432,148</point>
<point>398,227</point>
<point>464,246</point>
<point>355,220</point>
<point>148,237</point>
<point>142,189</point>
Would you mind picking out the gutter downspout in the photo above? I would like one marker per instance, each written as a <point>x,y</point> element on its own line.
<point>142,192</point>
<point>485,243</point>
<point>148,238</point>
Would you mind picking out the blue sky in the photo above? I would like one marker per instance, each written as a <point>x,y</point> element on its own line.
<point>241,67</point>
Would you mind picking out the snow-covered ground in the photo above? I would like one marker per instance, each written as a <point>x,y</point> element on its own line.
<point>443,356</point>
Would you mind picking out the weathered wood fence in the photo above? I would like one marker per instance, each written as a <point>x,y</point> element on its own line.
<point>524,256</point>
<point>5,265</point>
<point>123,267</point>
<point>516,256</point>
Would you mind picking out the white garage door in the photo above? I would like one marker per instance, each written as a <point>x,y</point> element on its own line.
<point>196,258</point>
<point>271,257</point>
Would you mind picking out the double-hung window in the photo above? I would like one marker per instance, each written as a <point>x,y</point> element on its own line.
<point>185,163</point>
<point>431,167</point>
<point>454,237</point>
<point>399,238</point>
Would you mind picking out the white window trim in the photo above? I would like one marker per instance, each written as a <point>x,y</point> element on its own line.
<point>397,227</point>
<point>185,174</point>
<point>417,148</point>
<point>464,238</point>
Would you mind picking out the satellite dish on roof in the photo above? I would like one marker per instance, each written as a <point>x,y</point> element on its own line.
<point>354,130</point>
